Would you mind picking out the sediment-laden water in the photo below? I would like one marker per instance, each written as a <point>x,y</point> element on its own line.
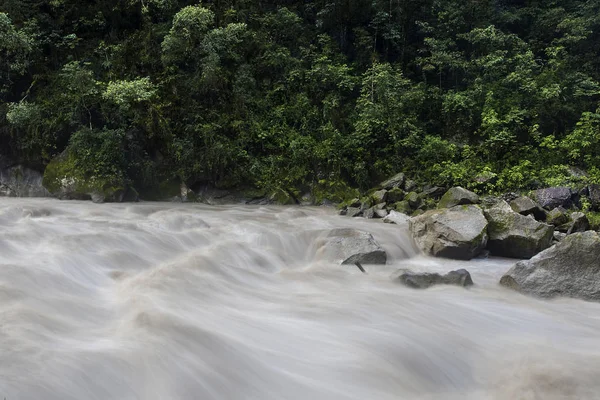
<point>168,301</point>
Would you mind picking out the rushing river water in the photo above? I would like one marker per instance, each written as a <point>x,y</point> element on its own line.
<point>169,301</point>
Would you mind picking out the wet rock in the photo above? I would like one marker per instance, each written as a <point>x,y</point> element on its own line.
<point>395,217</point>
<point>457,196</point>
<point>397,181</point>
<point>349,246</point>
<point>459,232</point>
<point>353,212</point>
<point>553,197</point>
<point>515,235</point>
<point>415,280</point>
<point>525,206</point>
<point>381,213</point>
<point>369,213</point>
<point>570,268</point>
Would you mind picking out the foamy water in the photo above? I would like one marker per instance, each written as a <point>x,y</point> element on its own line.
<point>166,301</point>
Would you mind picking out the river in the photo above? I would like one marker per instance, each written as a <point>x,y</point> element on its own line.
<point>164,301</point>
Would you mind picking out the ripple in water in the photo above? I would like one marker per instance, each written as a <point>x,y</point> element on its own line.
<point>165,301</point>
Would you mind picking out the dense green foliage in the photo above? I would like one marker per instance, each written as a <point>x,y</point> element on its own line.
<point>325,94</point>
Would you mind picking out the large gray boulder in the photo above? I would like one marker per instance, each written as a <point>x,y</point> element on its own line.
<point>571,268</point>
<point>20,181</point>
<point>349,246</point>
<point>459,232</point>
<point>553,197</point>
<point>414,280</point>
<point>525,206</point>
<point>457,196</point>
<point>396,181</point>
<point>515,235</point>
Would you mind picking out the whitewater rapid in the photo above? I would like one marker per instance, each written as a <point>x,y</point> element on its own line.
<point>166,301</point>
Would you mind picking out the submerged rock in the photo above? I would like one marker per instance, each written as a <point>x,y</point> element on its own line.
<point>349,246</point>
<point>515,235</point>
<point>570,268</point>
<point>459,232</point>
<point>462,277</point>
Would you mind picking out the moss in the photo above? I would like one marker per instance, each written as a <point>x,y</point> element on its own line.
<point>63,178</point>
<point>395,195</point>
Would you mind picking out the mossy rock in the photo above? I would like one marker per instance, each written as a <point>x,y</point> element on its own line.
<point>63,179</point>
<point>414,200</point>
<point>457,196</point>
<point>403,207</point>
<point>395,195</point>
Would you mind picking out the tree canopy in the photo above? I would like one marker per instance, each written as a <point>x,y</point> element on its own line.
<point>326,94</point>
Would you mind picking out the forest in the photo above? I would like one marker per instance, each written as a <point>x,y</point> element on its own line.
<point>327,95</point>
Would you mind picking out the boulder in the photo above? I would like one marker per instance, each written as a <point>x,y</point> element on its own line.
<point>570,268</point>
<point>353,212</point>
<point>379,196</point>
<point>435,192</point>
<point>459,232</point>
<point>380,212</point>
<point>553,197</point>
<point>349,246</point>
<point>64,180</point>
<point>410,185</point>
<point>397,181</point>
<point>414,200</point>
<point>457,196</point>
<point>395,195</point>
<point>369,213</point>
<point>515,235</point>
<point>559,236</point>
<point>557,216</point>
<point>20,181</point>
<point>525,206</point>
<point>415,280</point>
<point>403,207</point>
<point>579,223</point>
<point>395,217</point>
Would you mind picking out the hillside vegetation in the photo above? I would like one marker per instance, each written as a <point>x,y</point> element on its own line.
<point>291,96</point>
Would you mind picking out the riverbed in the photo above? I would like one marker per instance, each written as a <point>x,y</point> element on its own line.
<point>165,301</point>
